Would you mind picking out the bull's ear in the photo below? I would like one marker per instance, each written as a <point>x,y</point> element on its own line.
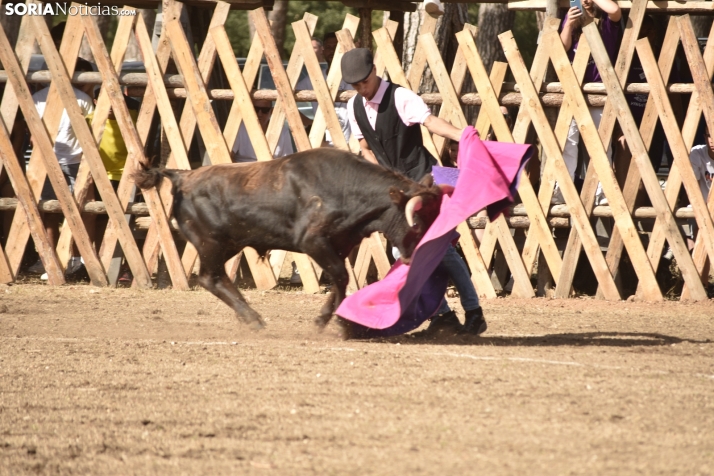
<point>397,196</point>
<point>427,180</point>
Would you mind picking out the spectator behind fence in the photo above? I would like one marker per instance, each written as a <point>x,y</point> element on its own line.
<point>243,148</point>
<point>69,154</point>
<point>386,119</point>
<point>570,31</point>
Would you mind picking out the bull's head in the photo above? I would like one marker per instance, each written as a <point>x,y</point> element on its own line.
<point>420,206</point>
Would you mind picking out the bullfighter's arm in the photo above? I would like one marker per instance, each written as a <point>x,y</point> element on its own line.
<point>367,152</point>
<point>438,126</point>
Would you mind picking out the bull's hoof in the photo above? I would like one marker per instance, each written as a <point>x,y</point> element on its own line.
<point>257,325</point>
<point>322,321</point>
<point>254,322</point>
<point>351,330</point>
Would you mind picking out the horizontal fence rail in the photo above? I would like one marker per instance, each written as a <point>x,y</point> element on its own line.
<point>537,242</point>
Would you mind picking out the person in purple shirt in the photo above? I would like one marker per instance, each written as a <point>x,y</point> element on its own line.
<point>609,14</point>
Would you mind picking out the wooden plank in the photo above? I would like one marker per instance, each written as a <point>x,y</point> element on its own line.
<point>459,69</point>
<point>702,80</point>
<point>606,128</point>
<point>647,129</point>
<point>83,183</point>
<point>676,143</point>
<point>334,79</point>
<point>143,128</point>
<point>206,119</point>
<point>135,150</point>
<point>45,248</point>
<point>230,131</point>
<point>42,140</point>
<point>263,273</point>
<point>19,231</point>
<point>242,93</point>
<point>491,107</point>
<point>498,74</point>
<point>8,113</point>
<point>23,50</point>
<point>520,135</point>
<point>282,83</point>
<point>391,27</point>
<point>293,71</point>
<point>250,72</point>
<point>479,275</point>
<point>573,248</point>
<point>479,271</point>
<point>303,43</point>
<point>639,154</point>
<point>187,126</point>
<point>552,149</point>
<point>599,160</point>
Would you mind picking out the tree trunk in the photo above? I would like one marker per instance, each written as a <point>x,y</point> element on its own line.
<point>364,39</point>
<point>412,23</point>
<point>278,18</point>
<point>450,23</point>
<point>493,19</point>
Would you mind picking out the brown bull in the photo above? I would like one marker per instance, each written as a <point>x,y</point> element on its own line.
<point>321,202</point>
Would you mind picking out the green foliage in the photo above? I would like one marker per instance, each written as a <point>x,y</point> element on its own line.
<point>525,31</point>
<point>238,32</point>
<point>331,16</point>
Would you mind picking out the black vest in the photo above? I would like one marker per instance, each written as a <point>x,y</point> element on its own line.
<point>396,146</point>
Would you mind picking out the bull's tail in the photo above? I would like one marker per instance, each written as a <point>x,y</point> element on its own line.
<point>146,177</point>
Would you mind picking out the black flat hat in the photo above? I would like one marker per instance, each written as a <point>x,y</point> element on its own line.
<point>356,65</point>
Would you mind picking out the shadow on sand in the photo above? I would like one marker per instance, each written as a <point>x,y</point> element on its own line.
<point>601,339</point>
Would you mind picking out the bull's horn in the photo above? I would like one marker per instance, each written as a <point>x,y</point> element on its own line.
<point>413,205</point>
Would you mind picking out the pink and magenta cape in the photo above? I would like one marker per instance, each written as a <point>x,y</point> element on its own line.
<point>410,294</point>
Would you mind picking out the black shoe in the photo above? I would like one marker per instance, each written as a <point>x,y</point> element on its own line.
<point>475,323</point>
<point>444,324</point>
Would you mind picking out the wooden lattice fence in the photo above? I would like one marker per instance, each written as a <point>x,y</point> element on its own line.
<point>539,250</point>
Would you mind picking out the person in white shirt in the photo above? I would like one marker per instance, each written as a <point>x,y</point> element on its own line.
<point>243,148</point>
<point>702,159</point>
<point>69,155</point>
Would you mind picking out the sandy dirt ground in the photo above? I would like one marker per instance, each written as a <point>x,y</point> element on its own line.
<point>119,381</point>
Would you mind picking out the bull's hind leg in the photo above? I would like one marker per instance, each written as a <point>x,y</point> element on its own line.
<point>334,266</point>
<point>213,277</point>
